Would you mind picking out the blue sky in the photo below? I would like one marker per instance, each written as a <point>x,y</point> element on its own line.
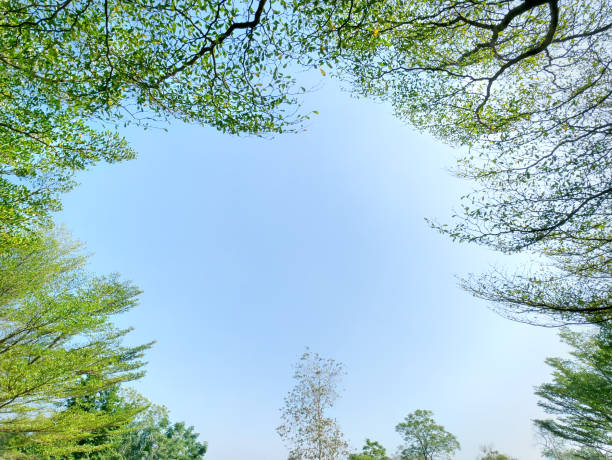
<point>248,250</point>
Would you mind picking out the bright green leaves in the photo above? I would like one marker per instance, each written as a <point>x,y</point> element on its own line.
<point>70,72</point>
<point>214,63</point>
<point>154,436</point>
<point>58,343</point>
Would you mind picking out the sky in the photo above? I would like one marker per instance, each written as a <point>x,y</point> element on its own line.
<point>248,250</point>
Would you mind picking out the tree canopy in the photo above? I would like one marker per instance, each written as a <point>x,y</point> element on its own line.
<point>580,394</point>
<point>58,344</point>
<point>71,71</point>
<point>111,403</point>
<point>372,450</point>
<point>524,87</point>
<point>425,440</point>
<point>152,435</point>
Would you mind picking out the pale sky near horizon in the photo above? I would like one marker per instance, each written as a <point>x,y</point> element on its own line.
<point>250,249</point>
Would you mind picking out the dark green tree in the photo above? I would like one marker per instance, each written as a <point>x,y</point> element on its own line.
<point>425,440</point>
<point>105,442</point>
<point>580,395</point>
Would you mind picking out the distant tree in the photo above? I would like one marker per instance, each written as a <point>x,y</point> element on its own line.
<point>306,429</point>
<point>372,450</point>
<point>58,345</point>
<point>580,395</point>
<point>425,440</point>
<point>488,453</point>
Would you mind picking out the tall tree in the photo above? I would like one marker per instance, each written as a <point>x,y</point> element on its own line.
<point>580,394</point>
<point>425,440</point>
<point>57,344</point>
<point>524,85</point>
<point>306,428</point>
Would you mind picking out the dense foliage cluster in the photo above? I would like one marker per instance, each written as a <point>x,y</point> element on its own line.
<point>71,71</point>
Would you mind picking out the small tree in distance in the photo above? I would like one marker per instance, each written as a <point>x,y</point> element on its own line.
<point>306,429</point>
<point>425,439</point>
<point>372,450</point>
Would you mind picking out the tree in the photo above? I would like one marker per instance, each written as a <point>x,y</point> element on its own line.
<point>488,453</point>
<point>425,440</point>
<point>306,429</point>
<point>153,436</point>
<point>146,432</point>
<point>111,403</point>
<point>580,393</point>
<point>72,70</point>
<point>372,450</point>
<point>58,344</point>
<point>556,448</point>
<point>524,85</point>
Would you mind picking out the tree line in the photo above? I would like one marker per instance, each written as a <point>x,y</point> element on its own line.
<point>579,395</point>
<point>522,85</point>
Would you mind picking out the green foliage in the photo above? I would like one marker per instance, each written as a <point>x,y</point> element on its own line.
<point>71,71</point>
<point>575,454</point>
<point>425,440</point>
<point>580,394</point>
<point>146,431</point>
<point>525,87</point>
<point>372,450</point>
<point>102,444</point>
<point>153,436</point>
<point>58,346</point>
<point>557,449</point>
<point>306,429</point>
